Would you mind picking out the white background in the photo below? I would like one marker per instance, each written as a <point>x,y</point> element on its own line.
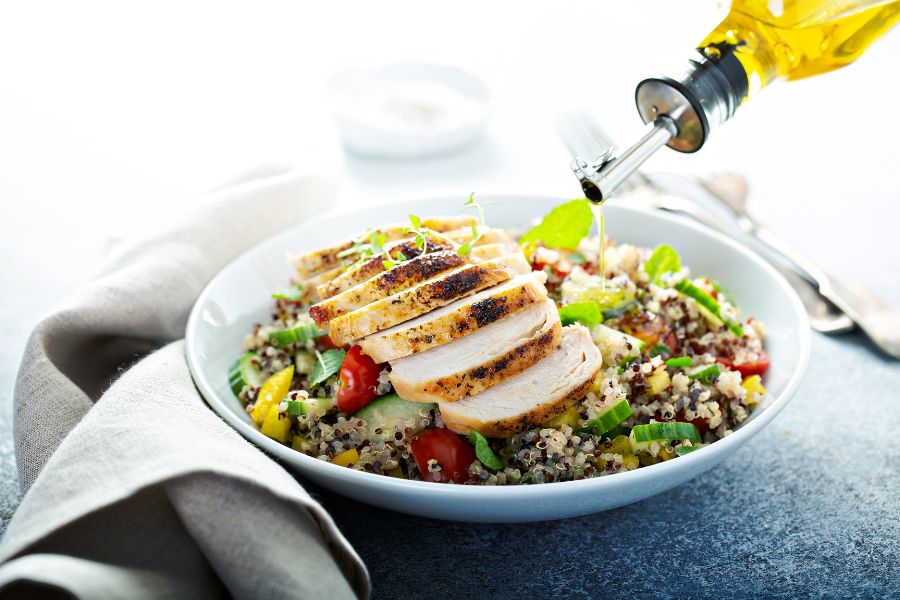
<point>115,114</point>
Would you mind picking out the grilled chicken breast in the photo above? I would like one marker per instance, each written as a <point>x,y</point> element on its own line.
<point>434,242</point>
<point>401,277</point>
<point>532,397</point>
<point>424,297</point>
<point>311,263</point>
<point>456,320</point>
<point>489,251</point>
<point>486,235</point>
<point>480,360</point>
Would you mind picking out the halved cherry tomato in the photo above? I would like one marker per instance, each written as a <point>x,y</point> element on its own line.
<point>452,452</point>
<point>359,380</point>
<point>327,343</point>
<point>758,367</point>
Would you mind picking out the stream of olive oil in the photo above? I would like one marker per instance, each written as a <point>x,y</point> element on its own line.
<point>597,209</point>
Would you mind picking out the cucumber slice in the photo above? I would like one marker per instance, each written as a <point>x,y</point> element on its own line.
<point>644,435</point>
<point>299,334</point>
<point>305,407</point>
<point>390,411</point>
<point>704,373</point>
<point>244,372</point>
<point>708,306</point>
<point>610,418</point>
<point>607,339</point>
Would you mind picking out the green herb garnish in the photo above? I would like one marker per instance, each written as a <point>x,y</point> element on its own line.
<point>483,451</point>
<point>563,227</point>
<point>586,313</point>
<point>664,259</point>
<point>294,294</point>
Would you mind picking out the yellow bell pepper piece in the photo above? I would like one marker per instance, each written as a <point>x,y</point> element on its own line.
<point>271,393</point>
<point>631,462</point>
<point>395,472</point>
<point>659,381</point>
<point>570,417</point>
<point>277,426</point>
<point>298,441</point>
<point>346,458</point>
<point>755,390</point>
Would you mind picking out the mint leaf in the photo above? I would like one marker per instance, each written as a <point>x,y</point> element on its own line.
<point>327,364</point>
<point>663,260</point>
<point>483,451</point>
<point>586,313</point>
<point>563,227</point>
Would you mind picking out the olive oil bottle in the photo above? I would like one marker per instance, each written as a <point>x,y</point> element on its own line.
<point>758,42</point>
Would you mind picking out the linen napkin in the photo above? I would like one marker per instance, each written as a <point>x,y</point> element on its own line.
<point>134,487</point>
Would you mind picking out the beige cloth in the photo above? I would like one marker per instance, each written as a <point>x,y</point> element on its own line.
<point>134,487</point>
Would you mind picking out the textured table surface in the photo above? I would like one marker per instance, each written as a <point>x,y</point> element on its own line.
<point>810,507</point>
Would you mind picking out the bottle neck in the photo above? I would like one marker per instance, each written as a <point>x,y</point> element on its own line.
<point>709,91</point>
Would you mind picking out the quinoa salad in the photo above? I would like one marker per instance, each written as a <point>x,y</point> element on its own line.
<point>446,350</point>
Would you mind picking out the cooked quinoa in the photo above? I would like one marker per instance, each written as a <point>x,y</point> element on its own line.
<point>668,322</point>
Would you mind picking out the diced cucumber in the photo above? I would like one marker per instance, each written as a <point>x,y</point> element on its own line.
<point>642,436</point>
<point>608,339</point>
<point>391,411</point>
<point>245,372</point>
<point>704,373</point>
<point>300,334</point>
<point>306,407</point>
<point>609,418</point>
<point>304,362</point>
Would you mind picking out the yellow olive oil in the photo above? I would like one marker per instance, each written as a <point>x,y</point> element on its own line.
<point>793,39</point>
<point>597,209</point>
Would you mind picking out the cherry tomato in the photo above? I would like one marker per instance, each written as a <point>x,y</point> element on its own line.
<point>751,368</point>
<point>452,452</point>
<point>359,380</point>
<point>327,343</point>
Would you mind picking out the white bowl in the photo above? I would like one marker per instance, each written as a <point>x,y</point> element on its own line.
<point>240,296</point>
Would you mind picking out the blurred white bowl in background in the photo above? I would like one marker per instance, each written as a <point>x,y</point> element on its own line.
<point>408,110</point>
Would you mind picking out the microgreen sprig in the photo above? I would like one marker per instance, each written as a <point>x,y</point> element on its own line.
<point>466,248</point>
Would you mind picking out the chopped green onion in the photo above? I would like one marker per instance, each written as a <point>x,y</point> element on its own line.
<point>704,373</point>
<point>709,303</point>
<point>660,349</point>
<point>483,451</point>
<point>296,335</point>
<point>681,361</point>
<point>610,418</point>
<point>294,294</point>
<point>327,364</point>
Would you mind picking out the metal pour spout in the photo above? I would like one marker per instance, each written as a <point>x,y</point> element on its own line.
<point>603,175</point>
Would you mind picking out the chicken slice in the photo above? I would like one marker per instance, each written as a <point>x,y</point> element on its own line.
<point>532,397</point>
<point>480,360</point>
<point>434,242</point>
<point>311,263</point>
<point>489,251</point>
<point>424,297</point>
<point>456,320</point>
<point>486,235</point>
<point>401,277</point>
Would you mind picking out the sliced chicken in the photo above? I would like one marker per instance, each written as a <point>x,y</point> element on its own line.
<point>489,251</point>
<point>456,320</point>
<point>532,397</point>
<point>424,297</point>
<point>310,263</point>
<point>486,235</point>
<point>434,242</point>
<point>480,360</point>
<point>310,285</point>
<point>401,277</point>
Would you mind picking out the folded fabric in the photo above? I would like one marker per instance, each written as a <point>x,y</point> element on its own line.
<point>134,487</point>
